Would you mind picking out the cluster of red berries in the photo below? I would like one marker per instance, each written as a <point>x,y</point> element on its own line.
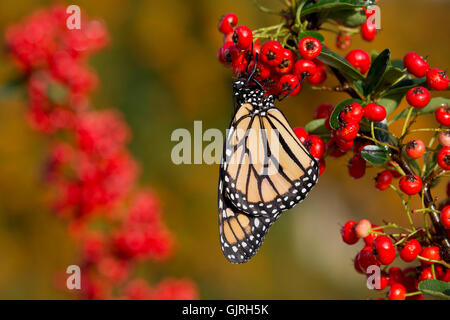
<point>89,171</point>
<point>278,69</point>
<point>380,249</point>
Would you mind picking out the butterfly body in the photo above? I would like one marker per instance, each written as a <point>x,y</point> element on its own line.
<point>265,170</point>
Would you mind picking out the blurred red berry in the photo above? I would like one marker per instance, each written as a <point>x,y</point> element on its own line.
<point>322,166</point>
<point>385,250</point>
<point>348,132</point>
<point>348,232</point>
<point>323,110</point>
<point>410,250</point>
<point>315,146</point>
<point>368,30</point>
<point>227,23</point>
<point>445,217</point>
<point>363,228</point>
<point>374,112</point>
<point>352,113</point>
<point>397,292</point>
<point>343,41</point>
<point>357,167</point>
<point>418,97</point>
<point>242,37</point>
<point>431,253</point>
<point>289,84</point>
<point>304,68</point>
<point>301,133</point>
<point>287,62</point>
<point>318,77</point>
<point>410,184</point>
<point>272,53</point>
<point>383,180</point>
<point>415,149</point>
<point>443,115</point>
<point>443,158</point>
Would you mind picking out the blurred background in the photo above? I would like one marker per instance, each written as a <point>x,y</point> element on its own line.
<point>161,71</point>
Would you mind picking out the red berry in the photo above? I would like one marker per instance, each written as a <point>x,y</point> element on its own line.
<point>443,115</point>
<point>431,253</point>
<point>410,184</point>
<point>287,62</point>
<point>262,72</point>
<point>315,146</point>
<point>356,264</point>
<point>309,48</point>
<point>385,250</point>
<point>272,53</point>
<point>239,65</point>
<point>415,64</point>
<point>443,158</point>
<point>230,53</point>
<point>395,275</point>
<point>357,167</point>
<point>426,274</point>
<point>348,132</point>
<point>418,97</point>
<point>242,37</point>
<point>410,250</point>
<point>359,59</point>
<point>323,110</point>
<point>366,258</point>
<point>301,133</point>
<point>322,166</point>
<point>368,30</point>
<point>289,84</point>
<point>343,41</point>
<point>445,217</point>
<point>319,77</point>
<point>304,68</point>
<point>383,180</point>
<point>343,145</point>
<point>415,149</point>
<point>397,292</point>
<point>437,79</point>
<point>374,112</point>
<point>227,23</point>
<point>352,113</point>
<point>348,232</point>
<point>363,228</point>
<point>384,282</point>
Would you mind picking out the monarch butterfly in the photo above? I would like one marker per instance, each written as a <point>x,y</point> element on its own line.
<point>257,184</point>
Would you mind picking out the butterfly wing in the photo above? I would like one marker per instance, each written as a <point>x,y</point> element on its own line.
<point>267,170</point>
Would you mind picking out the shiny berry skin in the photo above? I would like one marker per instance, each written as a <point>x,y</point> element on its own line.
<point>415,64</point>
<point>366,258</point>
<point>322,166</point>
<point>287,62</point>
<point>348,132</point>
<point>431,253</point>
<point>242,37</point>
<point>374,112</point>
<point>287,83</point>
<point>410,250</point>
<point>323,110</point>
<point>384,282</point>
<point>437,79</point>
<point>418,97</point>
<point>343,145</point>
<point>363,228</point>
<point>227,23</point>
<point>272,53</point>
<point>309,48</point>
<point>442,115</point>
<point>318,77</point>
<point>357,167</point>
<point>415,149</point>
<point>383,180</point>
<point>368,30</point>
<point>262,72</point>
<point>443,158</point>
<point>385,250</point>
<point>397,292</point>
<point>352,113</point>
<point>315,146</point>
<point>304,68</point>
<point>230,52</point>
<point>445,217</point>
<point>359,59</point>
<point>301,134</point>
<point>426,274</point>
<point>410,184</point>
<point>444,138</point>
<point>343,41</point>
<point>348,233</point>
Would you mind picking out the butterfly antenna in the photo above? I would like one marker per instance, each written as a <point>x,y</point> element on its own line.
<point>292,90</point>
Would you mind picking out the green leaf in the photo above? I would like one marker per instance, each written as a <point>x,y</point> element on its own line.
<point>377,70</point>
<point>435,288</point>
<point>391,76</point>
<point>390,103</point>
<point>322,5</point>
<point>334,118</point>
<point>403,86</point>
<point>334,60</point>
<point>314,34</point>
<point>316,126</point>
<point>434,104</point>
<point>397,63</point>
<point>412,162</point>
<point>349,17</point>
<point>374,154</point>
